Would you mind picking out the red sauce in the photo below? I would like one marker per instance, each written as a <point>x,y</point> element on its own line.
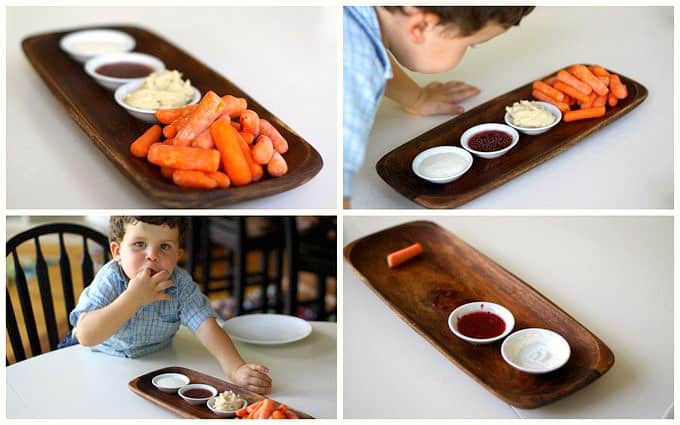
<point>490,141</point>
<point>481,325</point>
<point>197,393</point>
<point>124,70</point>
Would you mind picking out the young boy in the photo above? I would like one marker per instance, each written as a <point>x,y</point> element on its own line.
<point>138,300</point>
<point>425,39</point>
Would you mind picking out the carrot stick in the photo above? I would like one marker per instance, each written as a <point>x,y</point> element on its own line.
<point>209,108</point>
<point>277,166</point>
<point>620,90</point>
<point>277,414</point>
<point>140,147</point>
<point>167,116</point>
<point>255,168</point>
<point>403,255</point>
<point>242,413</point>
<point>599,70</point>
<point>600,101</point>
<point>582,114</point>
<point>605,80</point>
<point>250,122</point>
<point>612,100</point>
<point>591,99</point>
<point>263,150</point>
<point>254,406</point>
<point>248,137</point>
<point>540,96</point>
<point>567,78</point>
<point>167,172</point>
<point>549,91</point>
<point>280,144</point>
<point>221,178</point>
<point>193,179</point>
<point>584,74</point>
<point>203,140</point>
<point>267,408</point>
<point>184,157</point>
<point>565,88</point>
<point>228,142</point>
<point>170,130</point>
<point>169,141</point>
<point>234,106</point>
<point>550,80</point>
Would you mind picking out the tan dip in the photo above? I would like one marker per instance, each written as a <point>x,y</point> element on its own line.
<point>529,115</point>
<point>161,90</point>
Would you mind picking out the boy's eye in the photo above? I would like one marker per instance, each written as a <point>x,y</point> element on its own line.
<point>166,246</point>
<point>140,244</point>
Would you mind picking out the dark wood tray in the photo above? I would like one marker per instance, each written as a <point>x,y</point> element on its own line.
<point>487,174</point>
<point>449,273</point>
<point>173,402</point>
<point>112,129</point>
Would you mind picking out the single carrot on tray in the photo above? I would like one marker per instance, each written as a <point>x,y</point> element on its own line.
<point>567,78</point>
<point>612,100</point>
<point>584,74</point>
<point>550,80</point>
<point>248,137</point>
<point>255,168</point>
<point>549,91</point>
<point>167,116</point>
<point>567,89</point>
<point>544,97</point>
<point>267,408</point>
<point>277,166</point>
<point>403,255</point>
<point>280,144</point>
<point>221,178</point>
<point>140,147</point>
<point>233,106</point>
<point>263,149</point>
<point>618,88</point>
<point>167,172</point>
<point>599,70</point>
<point>277,414</point>
<point>209,108</point>
<point>184,157</point>
<point>193,179</point>
<point>583,114</point>
<point>228,142</point>
<point>250,122</point>
<point>203,140</point>
<point>170,130</point>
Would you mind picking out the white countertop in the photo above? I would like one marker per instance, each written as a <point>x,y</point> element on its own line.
<point>612,274</point>
<point>628,164</point>
<point>76,382</point>
<point>285,57</point>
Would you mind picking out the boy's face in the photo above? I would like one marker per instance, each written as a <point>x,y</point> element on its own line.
<point>151,246</point>
<point>419,44</point>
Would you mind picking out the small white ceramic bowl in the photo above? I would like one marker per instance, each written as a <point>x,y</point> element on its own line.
<point>536,350</point>
<point>157,382</point>
<point>533,131</point>
<point>113,41</point>
<point>465,139</point>
<point>483,306</point>
<point>192,400</point>
<point>146,115</point>
<point>224,413</point>
<point>462,153</point>
<point>113,83</point>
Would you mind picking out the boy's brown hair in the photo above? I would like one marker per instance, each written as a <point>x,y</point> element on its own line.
<point>117,225</point>
<point>470,19</point>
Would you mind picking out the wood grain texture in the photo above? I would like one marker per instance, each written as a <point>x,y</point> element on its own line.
<point>173,402</point>
<point>487,174</point>
<point>449,273</point>
<point>112,129</point>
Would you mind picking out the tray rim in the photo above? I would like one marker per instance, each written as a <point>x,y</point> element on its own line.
<point>310,166</point>
<point>606,359</point>
<point>445,202</point>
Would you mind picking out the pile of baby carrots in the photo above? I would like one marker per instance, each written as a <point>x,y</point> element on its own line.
<point>215,143</point>
<point>587,89</point>
<point>266,409</point>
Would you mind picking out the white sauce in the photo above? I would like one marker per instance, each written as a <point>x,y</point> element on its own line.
<point>536,356</point>
<point>97,47</point>
<point>443,164</point>
<point>529,114</point>
<point>170,382</point>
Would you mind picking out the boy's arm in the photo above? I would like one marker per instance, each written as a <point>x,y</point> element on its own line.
<point>433,99</point>
<point>217,342</point>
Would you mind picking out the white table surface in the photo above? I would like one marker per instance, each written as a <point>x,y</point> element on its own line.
<point>613,274</point>
<point>628,164</point>
<point>285,57</point>
<point>304,376</point>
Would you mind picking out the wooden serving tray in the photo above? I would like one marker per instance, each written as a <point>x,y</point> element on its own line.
<point>173,402</point>
<point>487,174</point>
<point>112,129</point>
<point>449,273</point>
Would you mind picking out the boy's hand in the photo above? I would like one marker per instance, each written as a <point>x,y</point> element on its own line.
<point>145,289</point>
<point>441,98</point>
<point>253,377</point>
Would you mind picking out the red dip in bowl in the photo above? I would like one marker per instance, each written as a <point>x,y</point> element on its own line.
<point>481,325</point>
<point>197,393</point>
<point>490,141</point>
<point>124,70</point>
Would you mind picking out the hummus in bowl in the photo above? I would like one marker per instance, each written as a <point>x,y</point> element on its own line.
<point>532,117</point>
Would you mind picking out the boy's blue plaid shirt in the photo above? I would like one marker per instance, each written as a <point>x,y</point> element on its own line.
<point>154,325</point>
<point>366,69</point>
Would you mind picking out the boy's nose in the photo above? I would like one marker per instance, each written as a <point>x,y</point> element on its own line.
<point>152,253</point>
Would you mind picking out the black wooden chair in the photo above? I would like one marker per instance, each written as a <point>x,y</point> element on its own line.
<point>44,284</point>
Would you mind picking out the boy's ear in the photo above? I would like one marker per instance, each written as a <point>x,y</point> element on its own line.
<point>180,253</point>
<point>419,24</point>
<point>115,250</point>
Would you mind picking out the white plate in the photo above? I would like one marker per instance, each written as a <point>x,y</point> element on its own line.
<point>267,329</point>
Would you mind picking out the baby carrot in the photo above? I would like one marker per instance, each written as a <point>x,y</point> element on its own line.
<point>193,179</point>
<point>203,140</point>
<point>549,91</point>
<point>209,108</point>
<point>550,80</point>
<point>584,74</point>
<point>184,157</point>
<point>582,114</point>
<point>403,255</point>
<point>248,137</point>
<point>242,413</point>
<point>591,99</point>
<point>277,166</point>
<point>267,408</point>
<point>167,172</point>
<point>250,122</point>
<point>263,150</point>
<point>612,100</point>
<point>167,116</point>
<point>620,90</point>
<point>221,178</point>
<point>277,414</point>
<point>234,106</point>
<point>605,80</point>
<point>565,88</point>
<point>567,78</point>
<point>280,144</point>
<point>140,147</point>
<point>169,141</point>
<point>600,101</point>
<point>255,168</point>
<point>227,141</point>
<point>170,130</point>
<point>540,96</point>
<point>599,70</point>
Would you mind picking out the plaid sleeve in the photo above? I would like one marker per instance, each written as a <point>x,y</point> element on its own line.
<point>101,292</point>
<point>194,306</point>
